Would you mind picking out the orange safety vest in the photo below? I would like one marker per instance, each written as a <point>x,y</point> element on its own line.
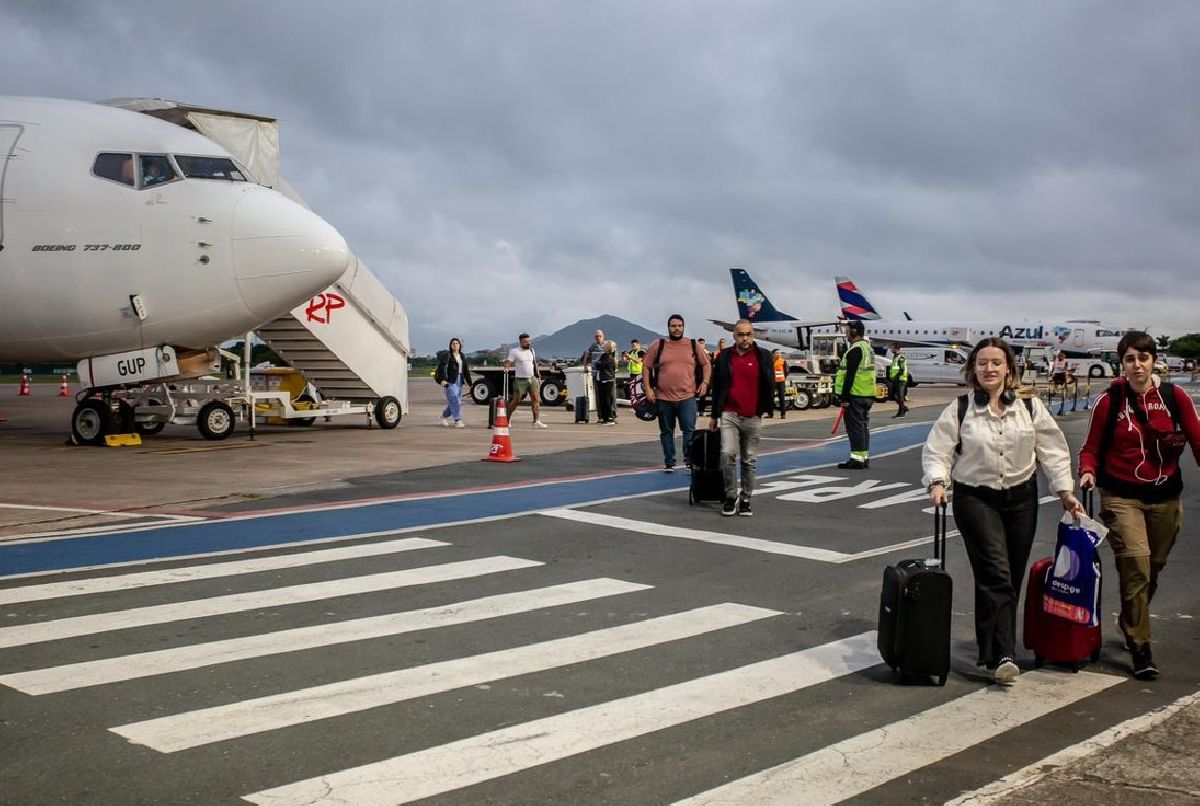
<point>780,376</point>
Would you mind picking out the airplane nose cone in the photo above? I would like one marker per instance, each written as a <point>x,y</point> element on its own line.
<point>283,254</point>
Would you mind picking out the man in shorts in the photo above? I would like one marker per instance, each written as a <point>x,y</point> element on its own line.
<point>527,380</point>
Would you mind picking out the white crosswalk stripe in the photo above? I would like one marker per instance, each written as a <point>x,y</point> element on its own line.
<point>240,602</point>
<point>249,705</point>
<point>176,659</point>
<point>191,573</point>
<point>849,768</point>
<point>169,734</point>
<point>501,752</point>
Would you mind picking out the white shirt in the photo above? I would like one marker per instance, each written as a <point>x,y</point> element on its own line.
<point>998,450</point>
<point>522,361</point>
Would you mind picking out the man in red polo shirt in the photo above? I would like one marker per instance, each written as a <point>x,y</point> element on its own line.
<point>743,380</point>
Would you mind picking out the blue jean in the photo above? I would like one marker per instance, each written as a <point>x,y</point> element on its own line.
<point>454,401</point>
<point>670,412</point>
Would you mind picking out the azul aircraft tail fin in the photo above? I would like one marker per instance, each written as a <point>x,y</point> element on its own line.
<point>854,302</point>
<point>752,302</point>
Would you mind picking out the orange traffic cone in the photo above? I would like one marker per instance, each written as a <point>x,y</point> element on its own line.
<point>25,391</point>
<point>501,450</point>
<point>63,389</point>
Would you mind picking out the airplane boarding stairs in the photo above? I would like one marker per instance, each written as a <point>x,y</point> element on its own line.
<point>347,341</point>
<point>350,341</point>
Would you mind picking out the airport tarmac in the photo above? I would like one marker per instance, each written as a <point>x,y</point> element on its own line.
<point>405,622</point>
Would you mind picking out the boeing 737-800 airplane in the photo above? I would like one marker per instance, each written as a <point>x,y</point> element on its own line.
<point>133,242</point>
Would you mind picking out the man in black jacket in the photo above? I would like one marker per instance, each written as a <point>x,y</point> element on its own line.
<point>743,380</point>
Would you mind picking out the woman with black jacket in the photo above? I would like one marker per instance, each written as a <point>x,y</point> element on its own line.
<point>606,385</point>
<point>452,373</point>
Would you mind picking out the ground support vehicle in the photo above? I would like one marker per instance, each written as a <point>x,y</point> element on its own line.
<point>808,391</point>
<point>489,382</point>
<point>213,405</point>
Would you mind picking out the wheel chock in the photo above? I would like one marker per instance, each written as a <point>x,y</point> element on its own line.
<point>118,440</point>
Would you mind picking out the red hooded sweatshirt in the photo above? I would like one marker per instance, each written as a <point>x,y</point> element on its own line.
<point>1142,457</point>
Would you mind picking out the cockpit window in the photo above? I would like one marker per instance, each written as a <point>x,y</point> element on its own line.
<point>156,169</point>
<point>117,167</point>
<point>210,168</point>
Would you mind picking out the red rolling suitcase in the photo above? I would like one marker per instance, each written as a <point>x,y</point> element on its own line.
<point>1052,638</point>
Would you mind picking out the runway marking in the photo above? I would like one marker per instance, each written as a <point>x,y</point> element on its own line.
<point>177,659</point>
<point>863,762</point>
<point>1030,775</point>
<point>733,541</point>
<point>717,538</point>
<point>241,602</point>
<point>83,587</point>
<point>180,732</point>
<point>451,766</point>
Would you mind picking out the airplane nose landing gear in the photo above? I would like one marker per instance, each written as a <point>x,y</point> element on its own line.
<point>92,420</point>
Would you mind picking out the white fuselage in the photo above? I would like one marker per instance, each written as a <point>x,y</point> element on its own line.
<point>1076,339</point>
<point>90,266</point>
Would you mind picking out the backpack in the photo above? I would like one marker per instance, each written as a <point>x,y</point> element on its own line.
<point>698,370</point>
<point>643,409</point>
<point>964,401</point>
<point>1116,402</point>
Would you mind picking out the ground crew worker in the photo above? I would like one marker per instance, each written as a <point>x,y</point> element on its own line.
<point>855,385</point>
<point>780,376</point>
<point>898,380</point>
<point>634,358</point>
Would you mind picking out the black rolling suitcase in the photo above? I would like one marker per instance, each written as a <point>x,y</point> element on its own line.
<point>581,409</point>
<point>914,612</point>
<point>704,455</point>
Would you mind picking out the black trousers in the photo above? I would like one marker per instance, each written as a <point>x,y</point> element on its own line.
<point>605,400</point>
<point>997,528</point>
<point>899,388</point>
<point>858,424</point>
<point>781,397</point>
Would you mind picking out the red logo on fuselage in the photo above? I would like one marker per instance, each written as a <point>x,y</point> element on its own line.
<point>326,303</point>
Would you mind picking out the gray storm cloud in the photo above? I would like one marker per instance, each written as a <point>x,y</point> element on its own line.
<point>519,165</point>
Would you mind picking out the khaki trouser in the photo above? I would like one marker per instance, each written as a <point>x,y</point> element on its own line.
<point>1141,536</point>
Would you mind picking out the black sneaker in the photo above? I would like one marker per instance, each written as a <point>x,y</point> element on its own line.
<point>729,507</point>
<point>1143,663</point>
<point>854,464</point>
<point>668,468</point>
<point>744,508</point>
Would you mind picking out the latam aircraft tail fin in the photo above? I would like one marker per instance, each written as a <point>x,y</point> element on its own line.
<point>854,302</point>
<point>752,302</point>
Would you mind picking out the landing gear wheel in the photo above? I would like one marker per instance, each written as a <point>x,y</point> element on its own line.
<point>215,420</point>
<point>481,392</point>
<point>387,412</point>
<point>90,422</point>
<point>307,403</point>
<point>151,428</point>
<point>801,400</point>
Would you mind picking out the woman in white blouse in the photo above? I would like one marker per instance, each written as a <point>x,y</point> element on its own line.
<point>990,455</point>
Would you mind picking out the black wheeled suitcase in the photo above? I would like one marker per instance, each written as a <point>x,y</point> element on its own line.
<point>704,455</point>
<point>914,612</point>
<point>581,409</point>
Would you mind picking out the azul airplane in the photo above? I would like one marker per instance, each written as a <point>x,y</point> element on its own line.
<point>135,244</point>
<point>1082,339</point>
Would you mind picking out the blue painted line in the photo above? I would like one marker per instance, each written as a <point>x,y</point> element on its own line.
<point>83,551</point>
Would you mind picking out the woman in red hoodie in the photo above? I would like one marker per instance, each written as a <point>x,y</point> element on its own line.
<point>1138,432</point>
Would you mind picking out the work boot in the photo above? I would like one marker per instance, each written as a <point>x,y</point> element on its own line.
<point>854,464</point>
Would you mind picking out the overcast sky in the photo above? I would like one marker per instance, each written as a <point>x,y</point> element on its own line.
<point>508,166</point>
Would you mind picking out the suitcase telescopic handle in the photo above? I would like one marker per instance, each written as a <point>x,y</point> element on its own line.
<point>939,533</point>
<point>1089,501</point>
